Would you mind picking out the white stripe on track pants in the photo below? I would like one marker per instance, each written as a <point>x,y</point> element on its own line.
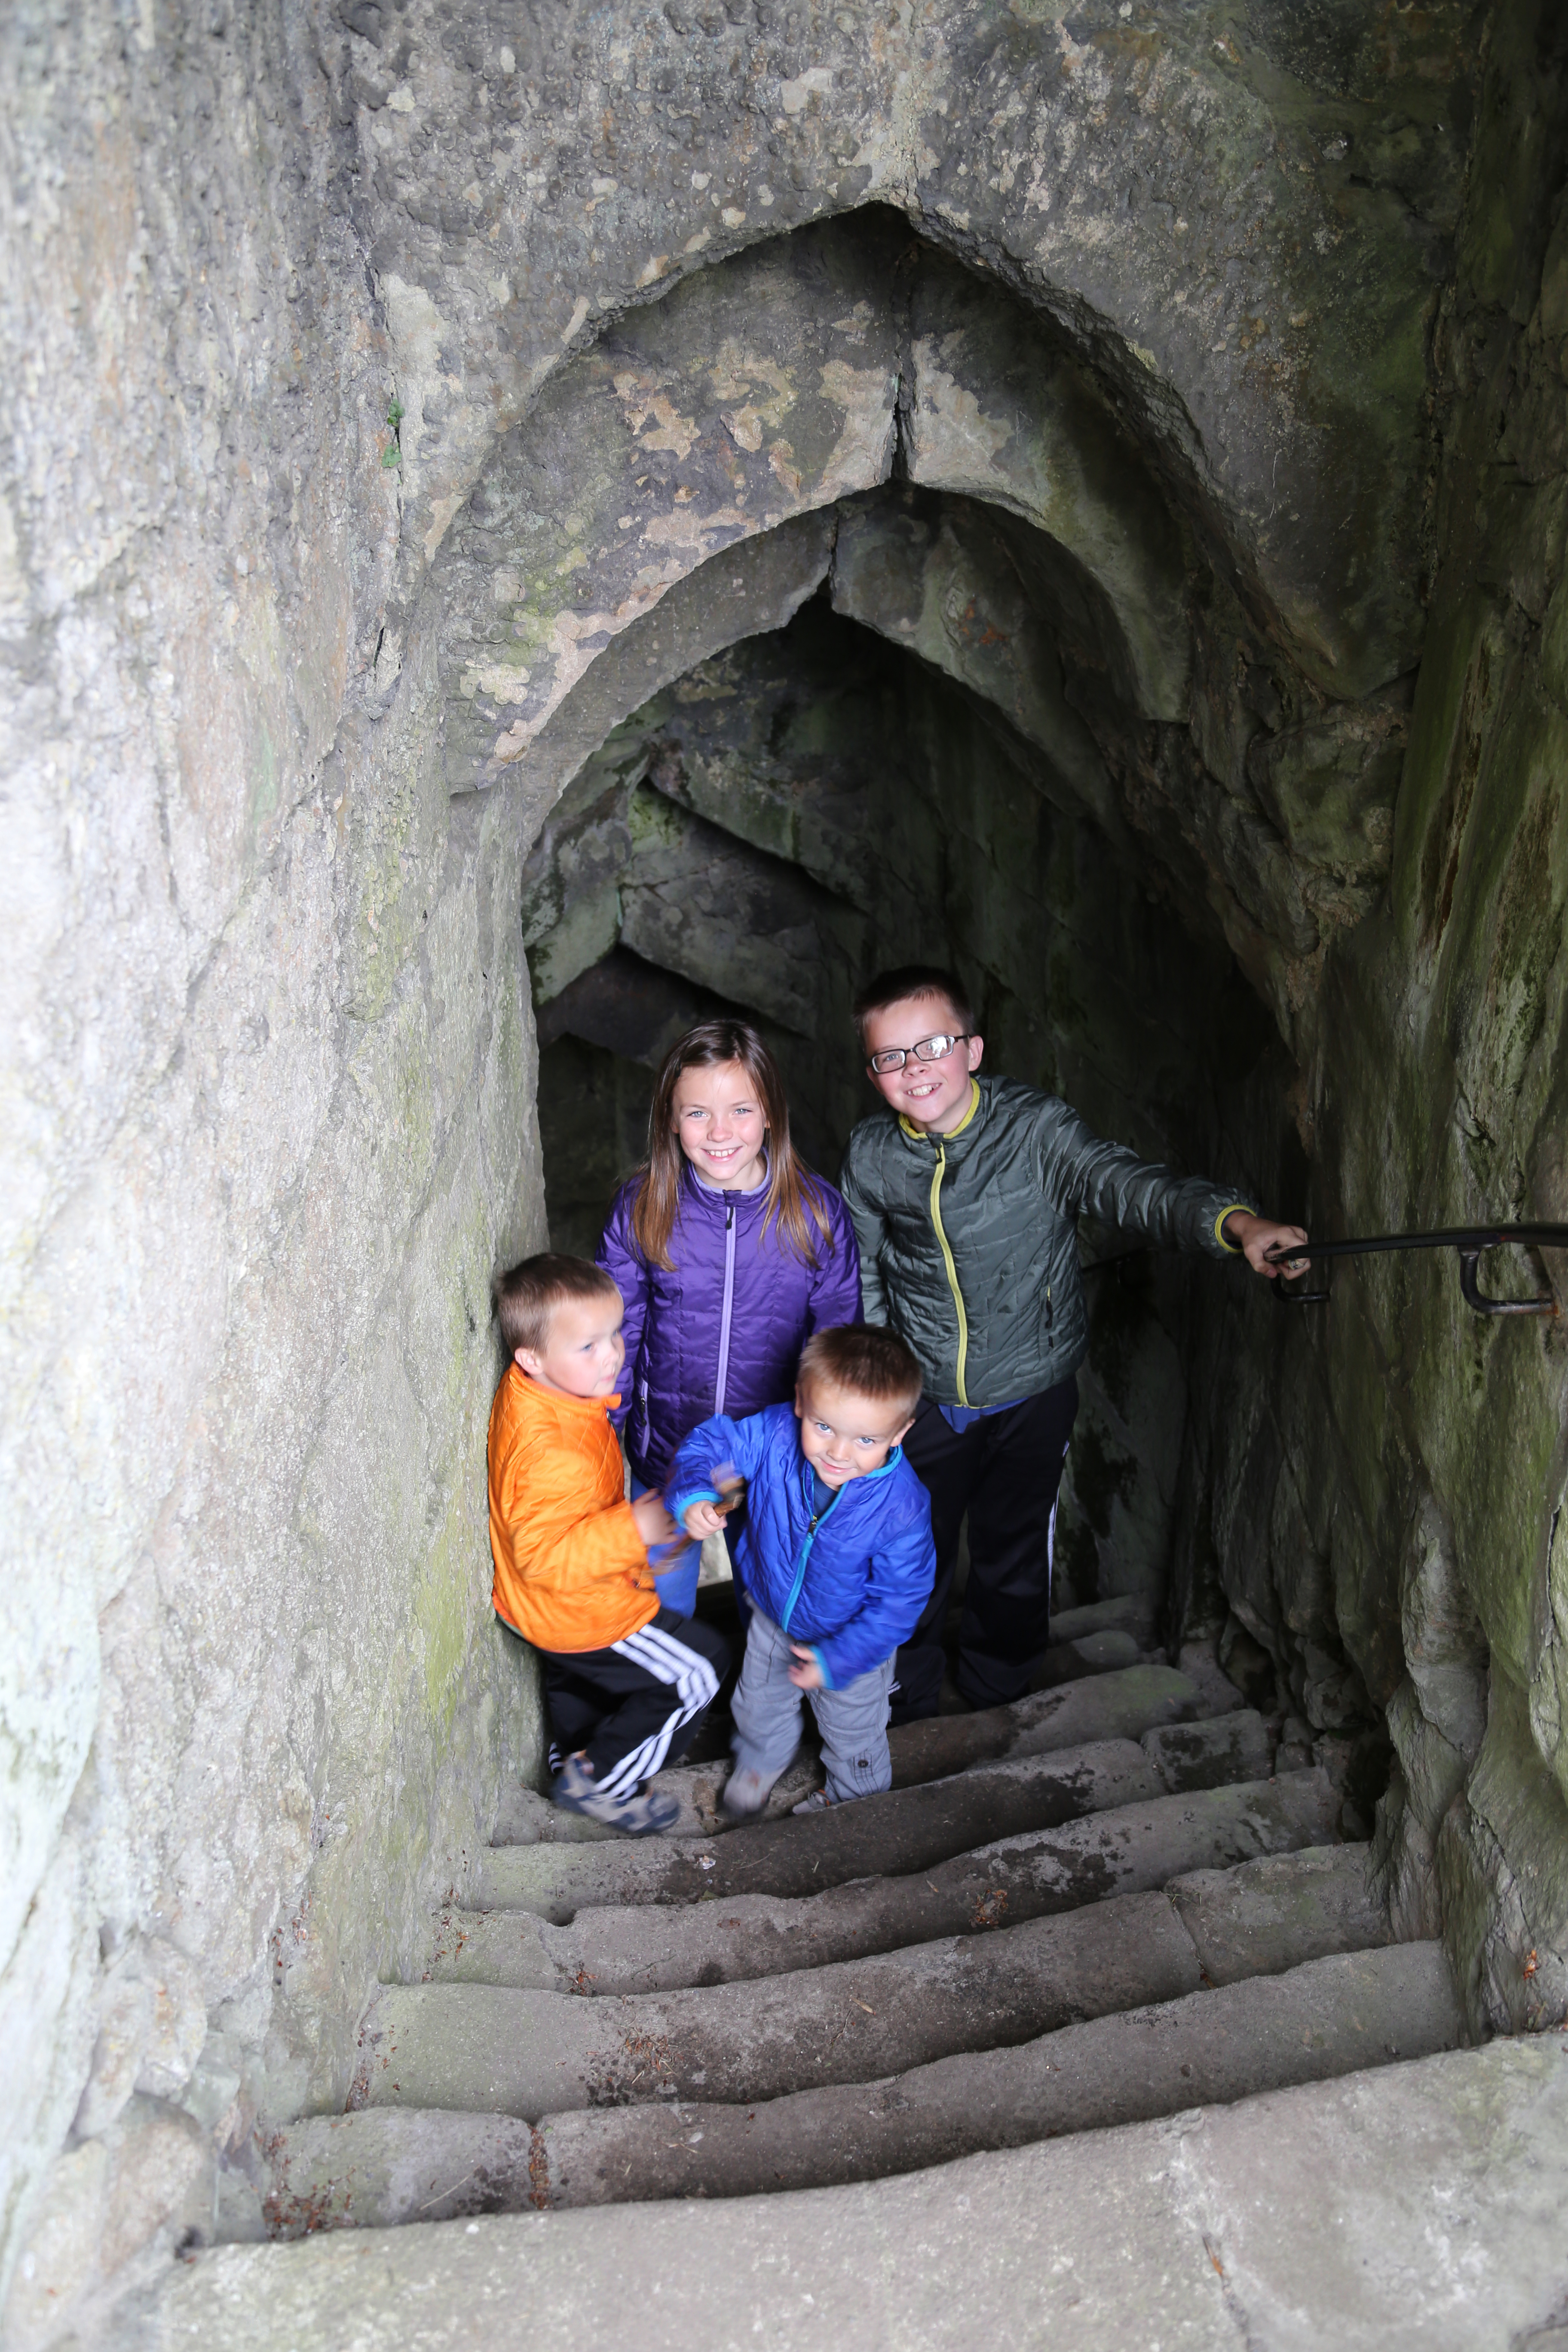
<point>634,1707</point>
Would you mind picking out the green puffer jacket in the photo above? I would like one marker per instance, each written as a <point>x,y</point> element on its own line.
<point>968,1245</point>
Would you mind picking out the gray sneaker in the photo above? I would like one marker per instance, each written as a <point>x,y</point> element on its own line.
<point>575,1793</point>
<point>744,1794</point>
<point>817,1803</point>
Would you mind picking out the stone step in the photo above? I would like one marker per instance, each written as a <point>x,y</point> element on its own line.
<point>1268,1913</point>
<point>1128,1850</point>
<point>1122,1706</point>
<point>1091,1653</point>
<point>382,2167</point>
<point>486,2047</point>
<point>1328,2017</point>
<point>1137,1614</point>
<point>524,2052</point>
<point>1300,1907</point>
<point>1196,1660</point>
<point>1212,1754</point>
<point>1412,2204</point>
<point>525,1818</point>
<point>1324,2018</point>
<point>905,1830</point>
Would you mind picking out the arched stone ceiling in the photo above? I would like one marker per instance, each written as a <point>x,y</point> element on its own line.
<point>847,400</point>
<point>524,176</point>
<point>765,391</point>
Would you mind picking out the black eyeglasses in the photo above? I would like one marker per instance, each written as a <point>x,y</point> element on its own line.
<point>930,1049</point>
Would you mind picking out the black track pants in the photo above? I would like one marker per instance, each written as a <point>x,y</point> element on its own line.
<point>634,1707</point>
<point>1005,1471</point>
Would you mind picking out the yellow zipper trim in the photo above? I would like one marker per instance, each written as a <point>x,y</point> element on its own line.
<point>918,1134</point>
<point>952,1270</point>
<point>923,1135</point>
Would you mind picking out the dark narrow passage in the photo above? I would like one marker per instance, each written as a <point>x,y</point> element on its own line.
<point>816,802</point>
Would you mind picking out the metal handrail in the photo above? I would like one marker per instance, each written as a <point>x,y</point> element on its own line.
<point>1468,1240</point>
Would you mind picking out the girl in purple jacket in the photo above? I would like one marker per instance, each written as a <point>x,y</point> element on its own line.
<point>729,1252</point>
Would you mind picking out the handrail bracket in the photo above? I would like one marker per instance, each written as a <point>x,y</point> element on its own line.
<point>1467,1242</point>
<point>1474,1296</point>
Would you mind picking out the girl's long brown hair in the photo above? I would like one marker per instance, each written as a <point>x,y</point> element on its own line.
<point>794,1193</point>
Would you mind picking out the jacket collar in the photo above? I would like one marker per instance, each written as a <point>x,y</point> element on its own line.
<point>923,1135</point>
<point>713,1196</point>
<point>558,1397</point>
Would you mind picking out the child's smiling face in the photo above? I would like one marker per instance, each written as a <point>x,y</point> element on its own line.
<point>843,1435</point>
<point>720,1125</point>
<point>933,1096</point>
<point>583,1352</point>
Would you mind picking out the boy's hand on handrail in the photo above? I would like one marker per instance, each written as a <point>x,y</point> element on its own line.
<point>1256,1237</point>
<point>654,1523</point>
<point>703,1518</point>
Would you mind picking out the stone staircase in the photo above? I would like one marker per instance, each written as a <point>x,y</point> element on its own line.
<point>1092,1908</point>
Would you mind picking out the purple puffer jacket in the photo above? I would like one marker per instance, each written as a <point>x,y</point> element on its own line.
<point>722,1333</point>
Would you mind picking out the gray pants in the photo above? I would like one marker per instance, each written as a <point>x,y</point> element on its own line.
<point>853,1722</point>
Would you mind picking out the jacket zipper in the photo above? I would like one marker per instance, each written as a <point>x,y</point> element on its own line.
<point>952,1270</point>
<point>808,1541</point>
<point>722,1381</point>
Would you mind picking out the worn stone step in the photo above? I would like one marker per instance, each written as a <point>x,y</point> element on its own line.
<point>1211,1754</point>
<point>1128,1850</point>
<point>386,2166</point>
<point>525,1818</point>
<point>382,2167</point>
<point>1122,1706</point>
<point>1102,1653</point>
<point>1270,1912</point>
<point>1411,2205</point>
<point>1137,1614</point>
<point>1297,1907</point>
<point>1206,1755</point>
<point>1196,1660</point>
<point>1324,2018</point>
<point>533,2053</point>
<point>907,1829</point>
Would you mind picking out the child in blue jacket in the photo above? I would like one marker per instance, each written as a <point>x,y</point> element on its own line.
<point>835,1556</point>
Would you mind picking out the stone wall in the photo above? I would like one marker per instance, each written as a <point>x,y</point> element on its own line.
<point>1382,1485</point>
<point>268,1128</point>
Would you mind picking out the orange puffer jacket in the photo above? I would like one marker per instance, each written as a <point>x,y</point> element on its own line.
<point>572,1570</point>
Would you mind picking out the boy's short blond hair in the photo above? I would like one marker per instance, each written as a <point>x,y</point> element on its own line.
<point>875,1365</point>
<point>528,1294</point>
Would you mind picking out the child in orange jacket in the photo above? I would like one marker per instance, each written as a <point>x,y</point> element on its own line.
<point>624,1680</point>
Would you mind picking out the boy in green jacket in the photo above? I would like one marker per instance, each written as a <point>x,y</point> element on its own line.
<point>964,1201</point>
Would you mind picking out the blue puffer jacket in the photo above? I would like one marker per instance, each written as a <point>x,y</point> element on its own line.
<point>850,1583</point>
<point>723,1332</point>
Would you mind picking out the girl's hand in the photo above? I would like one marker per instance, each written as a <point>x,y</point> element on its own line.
<point>654,1523</point>
<point>806,1673</point>
<point>703,1518</point>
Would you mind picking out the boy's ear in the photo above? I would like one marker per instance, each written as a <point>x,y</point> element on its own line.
<point>799,1408</point>
<point>903,1433</point>
<point>525,1360</point>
